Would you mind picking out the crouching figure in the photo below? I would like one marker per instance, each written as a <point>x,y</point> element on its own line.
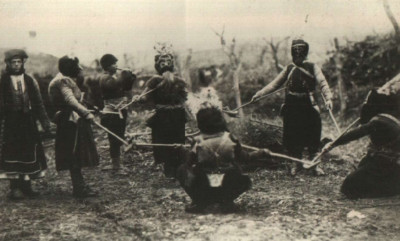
<point>212,173</point>
<point>378,174</point>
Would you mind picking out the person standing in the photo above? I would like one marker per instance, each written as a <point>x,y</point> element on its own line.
<point>75,146</point>
<point>21,152</point>
<point>115,90</point>
<point>168,123</point>
<point>301,117</point>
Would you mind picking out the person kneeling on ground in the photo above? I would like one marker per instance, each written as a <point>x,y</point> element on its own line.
<point>378,174</point>
<point>215,150</point>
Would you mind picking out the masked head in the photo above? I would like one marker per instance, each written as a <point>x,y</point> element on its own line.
<point>210,119</point>
<point>164,63</point>
<point>69,67</point>
<point>109,63</point>
<point>376,103</point>
<point>299,51</point>
<point>15,60</point>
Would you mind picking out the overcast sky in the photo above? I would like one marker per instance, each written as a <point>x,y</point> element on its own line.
<point>90,28</point>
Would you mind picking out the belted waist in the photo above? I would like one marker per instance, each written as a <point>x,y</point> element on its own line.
<point>309,95</point>
<point>300,94</point>
<point>169,107</point>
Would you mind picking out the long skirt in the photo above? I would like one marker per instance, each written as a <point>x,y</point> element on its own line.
<point>75,146</point>
<point>376,176</point>
<point>168,126</point>
<point>22,151</point>
<point>301,125</point>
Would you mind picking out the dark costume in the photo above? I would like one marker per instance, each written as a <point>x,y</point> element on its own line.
<point>75,146</point>
<point>300,112</point>
<point>21,152</point>
<point>215,151</point>
<point>115,91</point>
<point>168,122</point>
<point>378,174</point>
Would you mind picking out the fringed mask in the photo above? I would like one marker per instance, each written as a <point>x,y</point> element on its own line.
<point>164,60</point>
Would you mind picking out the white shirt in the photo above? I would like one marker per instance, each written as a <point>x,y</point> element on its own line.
<point>15,79</point>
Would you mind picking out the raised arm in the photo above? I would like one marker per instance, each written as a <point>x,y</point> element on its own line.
<point>274,85</point>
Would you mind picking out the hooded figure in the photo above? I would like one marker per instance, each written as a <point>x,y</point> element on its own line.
<point>168,122</point>
<point>300,112</point>
<point>378,174</point>
<point>21,153</point>
<point>75,146</point>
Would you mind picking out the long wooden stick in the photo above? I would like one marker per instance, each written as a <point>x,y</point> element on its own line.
<point>315,160</point>
<point>140,96</point>
<point>332,116</point>
<point>235,111</point>
<point>111,133</point>
<point>274,154</point>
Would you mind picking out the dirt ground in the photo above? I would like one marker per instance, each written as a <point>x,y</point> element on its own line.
<point>144,205</point>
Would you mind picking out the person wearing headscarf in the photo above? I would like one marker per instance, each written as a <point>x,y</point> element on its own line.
<point>75,147</point>
<point>22,156</point>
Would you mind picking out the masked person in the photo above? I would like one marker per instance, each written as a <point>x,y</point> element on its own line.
<point>168,123</point>
<point>215,152</point>
<point>301,117</point>
<point>21,152</point>
<point>115,90</point>
<point>75,146</point>
<point>378,174</point>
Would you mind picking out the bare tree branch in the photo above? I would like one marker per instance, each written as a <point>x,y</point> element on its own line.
<point>392,19</point>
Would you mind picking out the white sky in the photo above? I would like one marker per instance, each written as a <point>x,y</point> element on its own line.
<point>90,28</point>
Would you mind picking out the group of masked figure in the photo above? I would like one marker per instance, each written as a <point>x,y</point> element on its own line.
<point>214,152</point>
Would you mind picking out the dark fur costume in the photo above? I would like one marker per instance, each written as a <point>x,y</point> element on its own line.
<point>168,122</point>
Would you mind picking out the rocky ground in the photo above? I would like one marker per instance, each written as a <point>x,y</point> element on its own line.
<point>144,205</point>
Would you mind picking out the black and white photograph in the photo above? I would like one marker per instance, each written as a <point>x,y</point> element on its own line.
<point>199,120</point>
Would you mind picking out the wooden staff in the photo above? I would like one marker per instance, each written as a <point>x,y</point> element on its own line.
<point>332,117</point>
<point>140,96</point>
<point>304,162</point>
<point>315,161</point>
<point>235,111</point>
<point>129,146</point>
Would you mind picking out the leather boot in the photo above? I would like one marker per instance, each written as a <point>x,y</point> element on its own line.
<point>26,188</point>
<point>116,163</point>
<point>15,191</point>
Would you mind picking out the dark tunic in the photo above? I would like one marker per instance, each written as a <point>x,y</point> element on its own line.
<point>378,173</point>
<point>301,119</point>
<point>168,122</point>
<point>75,146</point>
<point>115,92</point>
<point>21,149</point>
<point>217,153</point>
